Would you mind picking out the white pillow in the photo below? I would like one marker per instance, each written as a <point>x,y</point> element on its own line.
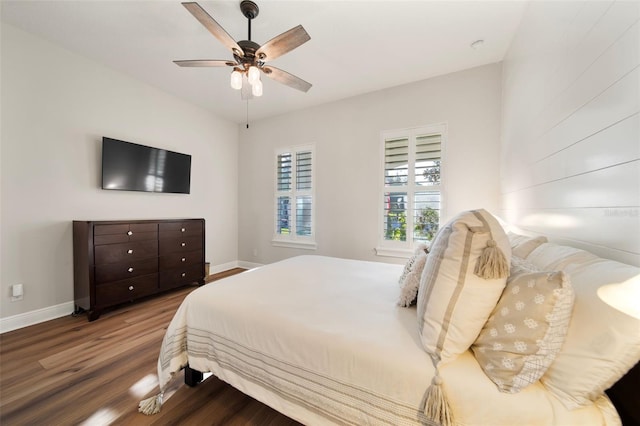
<point>527,327</point>
<point>453,302</point>
<point>602,343</point>
<point>410,278</point>
<point>522,246</point>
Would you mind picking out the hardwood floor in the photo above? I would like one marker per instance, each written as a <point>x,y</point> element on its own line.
<point>73,372</point>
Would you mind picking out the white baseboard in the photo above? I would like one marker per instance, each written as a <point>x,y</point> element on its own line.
<point>248,265</point>
<point>52,312</point>
<point>214,269</point>
<point>35,317</point>
<point>235,264</point>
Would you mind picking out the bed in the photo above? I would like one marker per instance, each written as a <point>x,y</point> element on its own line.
<point>323,341</point>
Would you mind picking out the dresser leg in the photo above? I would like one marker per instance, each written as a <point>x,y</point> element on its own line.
<point>93,315</point>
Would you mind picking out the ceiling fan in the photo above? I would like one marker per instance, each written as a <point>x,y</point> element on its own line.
<point>250,57</point>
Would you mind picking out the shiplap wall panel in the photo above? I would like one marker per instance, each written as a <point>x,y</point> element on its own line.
<point>570,166</point>
<point>568,226</point>
<point>610,106</point>
<point>613,187</point>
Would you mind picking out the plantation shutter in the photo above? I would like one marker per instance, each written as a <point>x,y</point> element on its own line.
<point>412,190</point>
<point>303,170</point>
<point>428,156</point>
<point>284,172</point>
<point>294,194</point>
<point>396,161</point>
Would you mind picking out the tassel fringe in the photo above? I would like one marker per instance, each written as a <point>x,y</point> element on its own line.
<point>151,405</point>
<point>436,407</point>
<point>492,263</point>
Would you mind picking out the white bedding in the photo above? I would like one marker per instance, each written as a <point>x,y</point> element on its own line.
<point>322,340</point>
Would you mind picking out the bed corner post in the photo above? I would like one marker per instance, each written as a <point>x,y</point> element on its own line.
<point>192,377</point>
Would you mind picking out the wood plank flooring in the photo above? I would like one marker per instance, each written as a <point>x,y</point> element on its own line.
<point>70,371</point>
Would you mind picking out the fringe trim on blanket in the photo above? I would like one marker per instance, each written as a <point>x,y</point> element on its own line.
<point>436,407</point>
<point>151,405</point>
<point>492,263</point>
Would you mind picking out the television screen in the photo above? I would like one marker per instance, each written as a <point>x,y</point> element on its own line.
<point>128,166</point>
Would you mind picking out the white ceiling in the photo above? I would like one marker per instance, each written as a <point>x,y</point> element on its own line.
<point>356,46</point>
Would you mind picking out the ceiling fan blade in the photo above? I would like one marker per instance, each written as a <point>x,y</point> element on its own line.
<point>282,44</point>
<point>206,63</point>
<point>285,78</point>
<point>214,28</point>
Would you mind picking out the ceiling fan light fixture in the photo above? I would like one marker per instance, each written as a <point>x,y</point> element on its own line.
<point>254,75</point>
<point>256,88</point>
<point>236,80</point>
<point>249,56</point>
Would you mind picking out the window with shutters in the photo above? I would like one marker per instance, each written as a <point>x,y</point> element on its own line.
<point>411,195</point>
<point>294,198</point>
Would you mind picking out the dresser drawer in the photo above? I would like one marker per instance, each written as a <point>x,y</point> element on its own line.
<point>180,229</point>
<point>178,260</point>
<point>123,270</point>
<point>179,245</point>
<point>122,233</point>
<point>125,290</point>
<point>135,250</point>
<point>181,276</point>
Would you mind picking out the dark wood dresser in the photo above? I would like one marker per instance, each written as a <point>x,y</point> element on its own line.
<point>120,261</point>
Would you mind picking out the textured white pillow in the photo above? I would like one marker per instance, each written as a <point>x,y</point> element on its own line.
<point>527,327</point>
<point>453,302</point>
<point>554,257</point>
<point>522,246</point>
<point>410,278</point>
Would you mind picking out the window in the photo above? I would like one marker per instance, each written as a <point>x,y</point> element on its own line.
<point>294,198</point>
<point>411,195</point>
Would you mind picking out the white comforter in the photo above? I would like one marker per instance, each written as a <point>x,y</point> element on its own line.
<point>322,340</point>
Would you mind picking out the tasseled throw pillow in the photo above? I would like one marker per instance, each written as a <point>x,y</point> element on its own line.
<point>463,279</point>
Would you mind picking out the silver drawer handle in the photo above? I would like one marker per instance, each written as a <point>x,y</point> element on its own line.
<point>182,230</point>
<point>130,269</point>
<point>130,251</point>
<point>184,274</point>
<point>183,244</point>
<point>183,259</point>
<point>130,233</point>
<point>130,287</point>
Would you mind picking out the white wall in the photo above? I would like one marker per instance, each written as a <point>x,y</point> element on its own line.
<point>571,144</point>
<point>56,106</point>
<point>348,171</point>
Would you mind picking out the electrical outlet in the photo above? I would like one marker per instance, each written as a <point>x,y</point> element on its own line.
<point>17,292</point>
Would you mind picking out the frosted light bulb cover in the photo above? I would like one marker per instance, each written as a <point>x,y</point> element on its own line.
<point>256,89</point>
<point>236,80</point>
<point>254,75</point>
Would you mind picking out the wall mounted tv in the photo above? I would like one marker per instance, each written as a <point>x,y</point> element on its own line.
<point>128,166</point>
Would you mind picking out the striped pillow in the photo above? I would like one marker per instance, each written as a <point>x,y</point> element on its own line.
<point>454,300</point>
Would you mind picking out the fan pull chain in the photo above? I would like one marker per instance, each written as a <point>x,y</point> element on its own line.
<point>247,113</point>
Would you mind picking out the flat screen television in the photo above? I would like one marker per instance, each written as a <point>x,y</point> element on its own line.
<point>128,166</point>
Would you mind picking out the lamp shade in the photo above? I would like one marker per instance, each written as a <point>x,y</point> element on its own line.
<point>625,296</point>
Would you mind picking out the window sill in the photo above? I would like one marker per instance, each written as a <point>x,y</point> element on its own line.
<point>306,245</point>
<point>404,253</point>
